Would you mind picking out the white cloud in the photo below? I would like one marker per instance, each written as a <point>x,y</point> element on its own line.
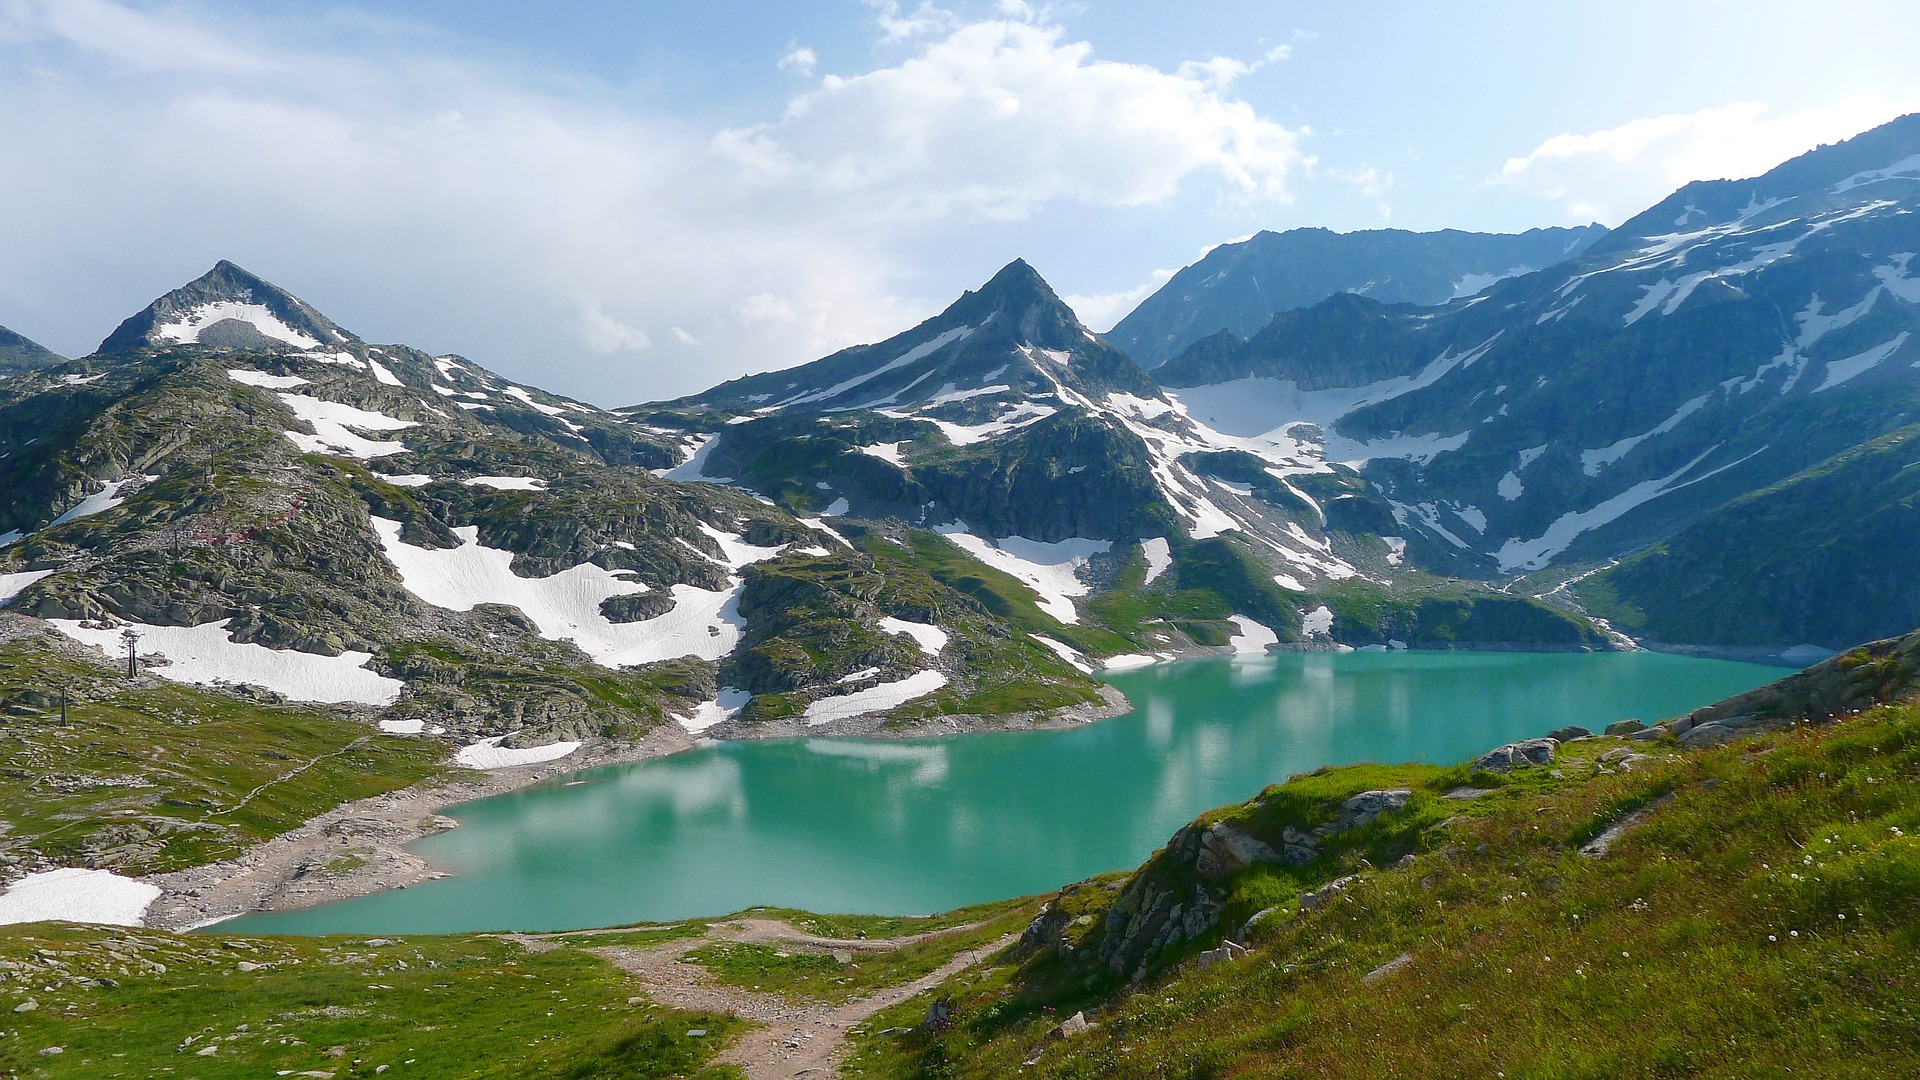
<point>923,21</point>
<point>1609,175</point>
<point>127,36</point>
<point>1101,311</point>
<point>999,117</point>
<point>799,60</point>
<point>539,227</point>
<point>605,334</point>
<point>684,337</point>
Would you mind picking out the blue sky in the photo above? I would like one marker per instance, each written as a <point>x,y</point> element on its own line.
<point>624,201</point>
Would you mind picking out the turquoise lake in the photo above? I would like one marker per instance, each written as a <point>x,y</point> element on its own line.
<point>900,827</point>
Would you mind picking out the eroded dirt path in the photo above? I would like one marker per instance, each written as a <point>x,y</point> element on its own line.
<point>793,1039</point>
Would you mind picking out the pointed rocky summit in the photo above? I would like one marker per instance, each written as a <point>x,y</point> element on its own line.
<point>229,307</point>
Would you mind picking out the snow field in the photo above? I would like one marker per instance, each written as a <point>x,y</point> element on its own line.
<point>708,713</point>
<point>1253,638</point>
<point>1065,652</point>
<point>185,329</point>
<point>929,637</point>
<point>489,754</point>
<point>874,698</point>
<point>566,606</point>
<point>1159,557</point>
<point>77,895</point>
<point>12,585</point>
<point>206,654</point>
<point>331,420</point>
<point>248,377</point>
<point>1049,569</point>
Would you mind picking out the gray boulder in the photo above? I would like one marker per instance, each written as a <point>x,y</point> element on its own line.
<point>1518,755</point>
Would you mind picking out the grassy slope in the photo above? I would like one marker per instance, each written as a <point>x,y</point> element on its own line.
<point>139,1003</point>
<point>1762,922</point>
<point>152,777</point>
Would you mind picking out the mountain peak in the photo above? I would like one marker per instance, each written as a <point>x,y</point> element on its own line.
<point>18,353</point>
<point>227,306</point>
<point>1019,298</point>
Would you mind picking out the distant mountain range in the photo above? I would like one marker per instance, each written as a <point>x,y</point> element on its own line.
<point>1699,429</point>
<point>1239,286</point>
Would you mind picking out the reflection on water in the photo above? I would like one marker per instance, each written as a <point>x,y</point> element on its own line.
<point>921,826</point>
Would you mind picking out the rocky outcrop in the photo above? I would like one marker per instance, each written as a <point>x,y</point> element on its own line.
<point>1524,754</point>
<point>1178,896</point>
<point>1873,674</point>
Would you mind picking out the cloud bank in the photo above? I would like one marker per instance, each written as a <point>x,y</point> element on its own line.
<point>559,234</point>
<point>1609,175</point>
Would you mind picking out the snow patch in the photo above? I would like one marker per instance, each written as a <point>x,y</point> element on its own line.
<point>723,708</point>
<point>186,328</point>
<point>1592,461</point>
<point>1317,621</point>
<point>1841,371</point>
<point>262,379</point>
<point>1050,569</point>
<point>887,452</point>
<point>489,754</point>
<point>1129,661</point>
<point>566,606</point>
<point>1159,557</point>
<point>403,727</point>
<point>918,352</point>
<point>695,467</point>
<point>874,698</point>
<point>207,654</point>
<point>100,501</point>
<point>1253,638</point>
<point>382,375</point>
<point>12,585</point>
<point>507,483</point>
<point>78,895</point>
<point>331,420</point>
<point>1064,651</point>
<point>405,480</point>
<point>929,637</point>
<point>1510,487</point>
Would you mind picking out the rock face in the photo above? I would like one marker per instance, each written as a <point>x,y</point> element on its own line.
<point>1518,755</point>
<point>1177,896</point>
<point>1875,674</point>
<point>1238,287</point>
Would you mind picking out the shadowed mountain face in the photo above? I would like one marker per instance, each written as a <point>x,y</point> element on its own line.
<point>18,353</point>
<point>1238,287</point>
<point>1737,336</point>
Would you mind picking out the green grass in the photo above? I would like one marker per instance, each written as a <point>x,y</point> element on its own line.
<point>1763,922</point>
<point>144,779</point>
<point>808,974</point>
<point>141,1003</point>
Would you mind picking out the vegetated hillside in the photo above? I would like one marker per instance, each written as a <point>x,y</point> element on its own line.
<point>1739,335</point>
<point>1237,287</point>
<point>1607,906</point>
<point>1843,528</point>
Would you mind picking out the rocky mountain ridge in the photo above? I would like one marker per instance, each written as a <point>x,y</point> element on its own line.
<point>1238,286</point>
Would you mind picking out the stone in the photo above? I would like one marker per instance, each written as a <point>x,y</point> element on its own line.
<point>1387,968</point>
<point>1256,919</point>
<point>26,1006</point>
<point>1368,806</point>
<point>841,957</point>
<point>53,1050</point>
<point>1310,901</point>
<point>1569,733</point>
<point>1625,727</point>
<point>1226,952</point>
<point>1225,851</point>
<point>1076,1024</point>
<point>1518,755</point>
<point>1466,792</point>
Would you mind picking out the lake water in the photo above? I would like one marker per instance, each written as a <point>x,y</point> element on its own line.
<point>886,827</point>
